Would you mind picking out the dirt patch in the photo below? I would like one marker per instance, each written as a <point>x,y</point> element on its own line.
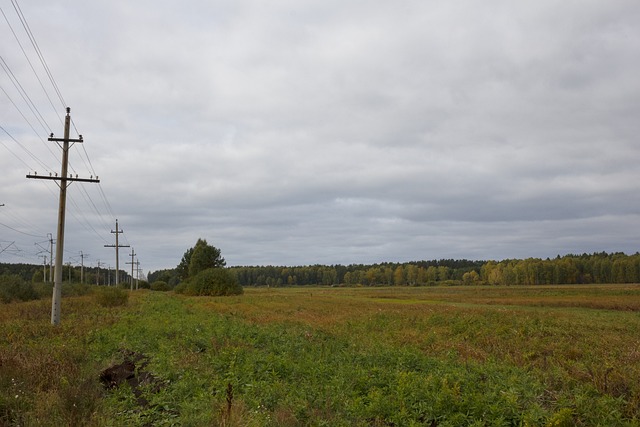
<point>132,371</point>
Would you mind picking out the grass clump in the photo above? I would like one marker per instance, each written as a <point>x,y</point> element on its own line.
<point>111,296</point>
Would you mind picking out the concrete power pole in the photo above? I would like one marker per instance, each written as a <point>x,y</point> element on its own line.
<point>64,180</point>
<point>137,274</point>
<point>82,267</point>
<point>117,246</point>
<point>50,257</point>
<point>132,254</point>
<point>44,269</point>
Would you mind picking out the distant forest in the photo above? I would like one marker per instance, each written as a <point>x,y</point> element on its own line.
<point>569,269</point>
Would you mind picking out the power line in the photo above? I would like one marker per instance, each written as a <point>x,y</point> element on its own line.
<point>18,231</point>
<point>30,64</point>
<point>24,95</point>
<point>33,156</point>
<point>27,29</point>
<point>26,120</point>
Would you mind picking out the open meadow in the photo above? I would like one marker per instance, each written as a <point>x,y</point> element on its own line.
<point>406,356</point>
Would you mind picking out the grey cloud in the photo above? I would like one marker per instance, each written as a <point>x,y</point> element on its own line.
<point>292,133</point>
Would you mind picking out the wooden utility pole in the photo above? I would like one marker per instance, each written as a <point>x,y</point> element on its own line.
<point>117,246</point>
<point>64,180</point>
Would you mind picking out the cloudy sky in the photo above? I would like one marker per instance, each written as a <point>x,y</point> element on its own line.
<point>301,132</point>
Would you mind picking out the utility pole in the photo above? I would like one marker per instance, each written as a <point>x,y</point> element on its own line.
<point>82,267</point>
<point>137,273</point>
<point>98,275</point>
<point>50,257</point>
<point>117,246</point>
<point>64,179</point>
<point>132,254</point>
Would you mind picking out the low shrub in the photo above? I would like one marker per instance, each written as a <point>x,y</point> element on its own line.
<point>75,289</point>
<point>160,285</point>
<point>43,289</point>
<point>14,288</point>
<point>111,296</point>
<point>211,282</point>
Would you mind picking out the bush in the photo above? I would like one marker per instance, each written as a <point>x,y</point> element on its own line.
<point>14,288</point>
<point>212,282</point>
<point>111,296</point>
<point>44,290</point>
<point>75,289</point>
<point>160,285</point>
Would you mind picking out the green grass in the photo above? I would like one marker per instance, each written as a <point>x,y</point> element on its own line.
<point>331,356</point>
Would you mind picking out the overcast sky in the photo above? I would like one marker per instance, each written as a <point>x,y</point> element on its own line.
<point>300,132</point>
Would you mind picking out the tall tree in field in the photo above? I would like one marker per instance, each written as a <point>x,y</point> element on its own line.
<point>204,256</point>
<point>198,258</point>
<point>183,268</point>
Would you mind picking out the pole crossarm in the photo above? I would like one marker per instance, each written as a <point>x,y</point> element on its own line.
<point>65,140</point>
<point>58,178</point>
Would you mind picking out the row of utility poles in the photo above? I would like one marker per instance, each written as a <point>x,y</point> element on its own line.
<point>63,181</point>
<point>133,262</point>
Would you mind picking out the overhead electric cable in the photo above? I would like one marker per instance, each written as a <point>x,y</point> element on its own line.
<point>29,123</point>
<point>33,156</point>
<point>32,68</point>
<point>27,29</point>
<point>18,231</point>
<point>20,220</point>
<point>24,95</point>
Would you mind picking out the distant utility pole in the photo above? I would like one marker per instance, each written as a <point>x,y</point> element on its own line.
<point>132,254</point>
<point>82,267</point>
<point>98,275</point>
<point>44,269</point>
<point>64,180</point>
<point>137,273</point>
<point>117,246</point>
<point>50,257</point>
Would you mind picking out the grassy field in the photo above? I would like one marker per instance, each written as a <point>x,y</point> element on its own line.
<point>435,356</point>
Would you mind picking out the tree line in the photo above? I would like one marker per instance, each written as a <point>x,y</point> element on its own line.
<point>569,269</point>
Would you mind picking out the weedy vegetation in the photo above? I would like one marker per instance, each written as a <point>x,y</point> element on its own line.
<point>408,356</point>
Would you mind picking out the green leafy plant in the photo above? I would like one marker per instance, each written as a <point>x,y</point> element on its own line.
<point>160,285</point>
<point>212,282</point>
<point>111,296</point>
<point>14,288</point>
